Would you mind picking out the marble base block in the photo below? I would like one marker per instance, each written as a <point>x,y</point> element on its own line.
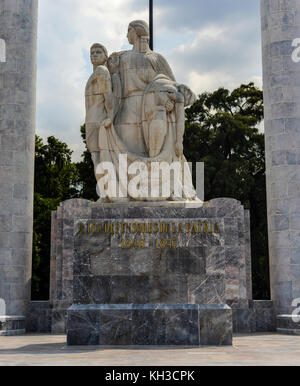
<point>149,324</point>
<point>169,263</point>
<point>39,317</point>
<point>12,325</point>
<point>254,316</point>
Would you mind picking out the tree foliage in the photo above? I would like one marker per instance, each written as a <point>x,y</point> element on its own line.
<point>86,176</point>
<point>56,180</point>
<point>222,130</point>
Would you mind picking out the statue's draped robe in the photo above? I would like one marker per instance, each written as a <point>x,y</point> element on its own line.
<point>134,88</point>
<point>98,84</point>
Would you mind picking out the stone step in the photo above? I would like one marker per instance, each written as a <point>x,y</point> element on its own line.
<point>288,324</point>
<point>12,325</point>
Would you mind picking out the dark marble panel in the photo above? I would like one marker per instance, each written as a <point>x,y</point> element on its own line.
<point>149,262</point>
<point>83,327</point>
<point>265,320</point>
<point>225,207</point>
<point>83,337</point>
<point>130,289</point>
<point>182,327</point>
<point>168,289</point>
<point>215,260</point>
<point>152,212</point>
<point>209,289</point>
<point>287,322</point>
<point>82,264</point>
<point>111,289</point>
<point>148,327</point>
<point>261,304</point>
<point>58,321</point>
<point>91,289</point>
<point>115,327</point>
<point>186,261</point>
<point>238,303</point>
<point>215,327</point>
<point>39,317</point>
<point>243,321</point>
<point>257,316</point>
<point>95,243</point>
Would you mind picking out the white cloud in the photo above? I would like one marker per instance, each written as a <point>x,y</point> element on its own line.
<point>67,28</point>
<point>206,48</point>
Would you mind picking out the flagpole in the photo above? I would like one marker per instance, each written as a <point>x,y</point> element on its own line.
<point>151,23</point>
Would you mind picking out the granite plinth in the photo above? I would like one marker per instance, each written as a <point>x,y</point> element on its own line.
<point>209,262</point>
<point>149,324</point>
<point>39,317</point>
<point>254,316</point>
<point>12,325</point>
<point>235,243</point>
<point>158,274</point>
<point>149,267</point>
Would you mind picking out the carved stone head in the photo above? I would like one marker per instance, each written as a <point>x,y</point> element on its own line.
<point>99,54</point>
<point>139,30</point>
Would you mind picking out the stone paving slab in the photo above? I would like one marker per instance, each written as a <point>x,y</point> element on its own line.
<point>247,350</point>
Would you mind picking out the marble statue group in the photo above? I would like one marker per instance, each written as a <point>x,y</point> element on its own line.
<point>135,109</point>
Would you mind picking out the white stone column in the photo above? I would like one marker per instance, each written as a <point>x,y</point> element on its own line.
<point>281,76</point>
<point>18,33</point>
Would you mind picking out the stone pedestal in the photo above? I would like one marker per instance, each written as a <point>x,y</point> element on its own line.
<point>149,324</point>
<point>12,325</point>
<point>39,317</point>
<point>133,265</point>
<point>255,316</point>
<point>62,259</point>
<point>237,245</point>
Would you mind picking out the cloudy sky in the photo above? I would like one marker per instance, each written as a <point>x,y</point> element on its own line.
<point>208,43</point>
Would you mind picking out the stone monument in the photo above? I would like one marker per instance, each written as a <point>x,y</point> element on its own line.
<point>18,36</point>
<point>281,76</point>
<point>148,269</point>
<point>135,108</point>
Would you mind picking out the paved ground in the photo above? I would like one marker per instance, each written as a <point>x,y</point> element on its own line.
<point>51,350</point>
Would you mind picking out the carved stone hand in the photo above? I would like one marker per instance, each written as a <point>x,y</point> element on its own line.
<point>107,123</point>
<point>170,106</point>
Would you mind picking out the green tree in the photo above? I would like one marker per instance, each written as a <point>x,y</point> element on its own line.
<point>222,130</point>
<point>86,176</point>
<point>56,179</point>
